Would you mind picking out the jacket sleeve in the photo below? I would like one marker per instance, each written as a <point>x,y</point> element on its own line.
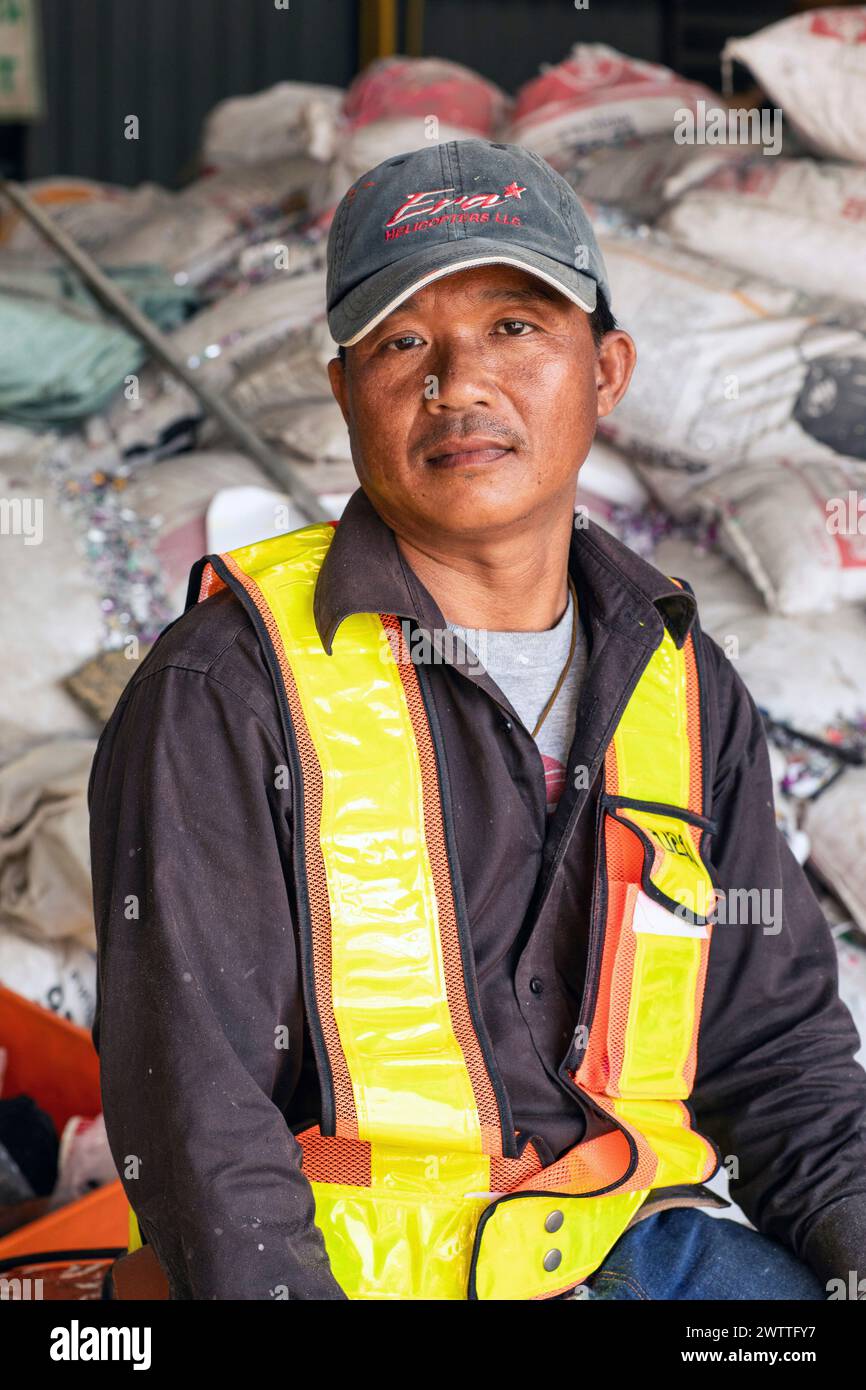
<point>777,1086</point>
<point>198,991</point>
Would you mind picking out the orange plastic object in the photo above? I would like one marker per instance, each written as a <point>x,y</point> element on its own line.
<point>50,1059</point>
<point>93,1222</point>
<point>55,1062</point>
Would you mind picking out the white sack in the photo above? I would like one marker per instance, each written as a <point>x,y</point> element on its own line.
<point>814,67</point>
<point>213,217</point>
<point>730,368</point>
<point>224,343</point>
<point>44,842</point>
<point>608,474</point>
<point>598,96</point>
<point>50,617</point>
<point>778,522</point>
<point>836,823</point>
<point>286,120</point>
<point>805,671</point>
<point>639,176</point>
<point>798,221</point>
<point>399,104</point>
<point>59,975</point>
<point>91,213</point>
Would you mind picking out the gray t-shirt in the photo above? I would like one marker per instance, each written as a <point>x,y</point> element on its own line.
<point>526,667</point>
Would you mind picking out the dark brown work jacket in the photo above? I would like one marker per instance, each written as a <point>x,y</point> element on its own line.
<point>192,842</point>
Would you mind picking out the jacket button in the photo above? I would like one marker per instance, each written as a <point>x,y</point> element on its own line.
<point>554,1221</point>
<point>552,1260</point>
<point>536,985</point>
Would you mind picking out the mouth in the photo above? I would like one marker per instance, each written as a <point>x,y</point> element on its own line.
<point>458,453</point>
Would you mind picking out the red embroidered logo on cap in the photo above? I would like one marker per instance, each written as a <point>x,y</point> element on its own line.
<point>473,207</point>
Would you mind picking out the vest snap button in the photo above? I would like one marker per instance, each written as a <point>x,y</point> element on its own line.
<point>552,1260</point>
<point>536,985</point>
<point>554,1221</point>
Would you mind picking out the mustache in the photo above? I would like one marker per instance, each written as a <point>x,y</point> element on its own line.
<point>467,427</point>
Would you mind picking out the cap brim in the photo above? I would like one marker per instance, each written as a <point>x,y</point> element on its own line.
<point>365,306</point>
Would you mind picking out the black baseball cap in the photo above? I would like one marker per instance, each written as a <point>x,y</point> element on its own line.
<point>433,211</point>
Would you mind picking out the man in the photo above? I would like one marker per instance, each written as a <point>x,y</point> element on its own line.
<point>409,839</point>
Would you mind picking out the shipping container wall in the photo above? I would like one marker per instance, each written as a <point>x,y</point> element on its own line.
<point>169,61</point>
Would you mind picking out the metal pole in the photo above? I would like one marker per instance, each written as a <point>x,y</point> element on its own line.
<point>415,28</point>
<point>283,473</point>
<point>377,27</point>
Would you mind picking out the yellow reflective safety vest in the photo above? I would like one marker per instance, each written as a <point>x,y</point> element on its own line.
<point>421,1188</point>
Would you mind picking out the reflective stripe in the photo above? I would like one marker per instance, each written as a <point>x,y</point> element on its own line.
<point>389,967</point>
<point>650,756</point>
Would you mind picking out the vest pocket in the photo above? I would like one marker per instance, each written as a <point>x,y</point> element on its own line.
<point>654,937</point>
<point>673,871</point>
<point>399,1245</point>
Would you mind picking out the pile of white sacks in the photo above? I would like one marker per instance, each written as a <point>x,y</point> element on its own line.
<point>736,461</point>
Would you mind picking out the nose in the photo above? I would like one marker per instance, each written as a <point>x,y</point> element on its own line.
<point>460,379</point>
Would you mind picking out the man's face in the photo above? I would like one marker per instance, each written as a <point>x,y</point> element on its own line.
<point>472,406</point>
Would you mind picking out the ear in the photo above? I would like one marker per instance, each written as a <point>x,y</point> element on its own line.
<point>615,363</point>
<point>339,385</point>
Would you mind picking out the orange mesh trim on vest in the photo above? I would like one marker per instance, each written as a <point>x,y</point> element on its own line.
<point>596,1164</point>
<point>325,1159</point>
<point>594,1073</point>
<point>508,1173</point>
<point>623,853</point>
<point>602,1059</point>
<point>693,723</point>
<point>691,1062</point>
<point>693,719</point>
<point>210,583</point>
<point>452,956</point>
<point>622,956</point>
<point>346,1119</point>
<point>647,1165</point>
<point>611,772</point>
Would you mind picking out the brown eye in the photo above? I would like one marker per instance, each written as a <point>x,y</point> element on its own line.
<point>401,343</point>
<point>519,324</point>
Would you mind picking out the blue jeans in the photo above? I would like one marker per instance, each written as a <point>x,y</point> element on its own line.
<point>682,1254</point>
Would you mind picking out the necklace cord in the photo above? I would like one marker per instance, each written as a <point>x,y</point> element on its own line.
<point>556,689</point>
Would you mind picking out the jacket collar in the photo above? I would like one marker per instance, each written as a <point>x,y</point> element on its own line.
<point>364,572</point>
